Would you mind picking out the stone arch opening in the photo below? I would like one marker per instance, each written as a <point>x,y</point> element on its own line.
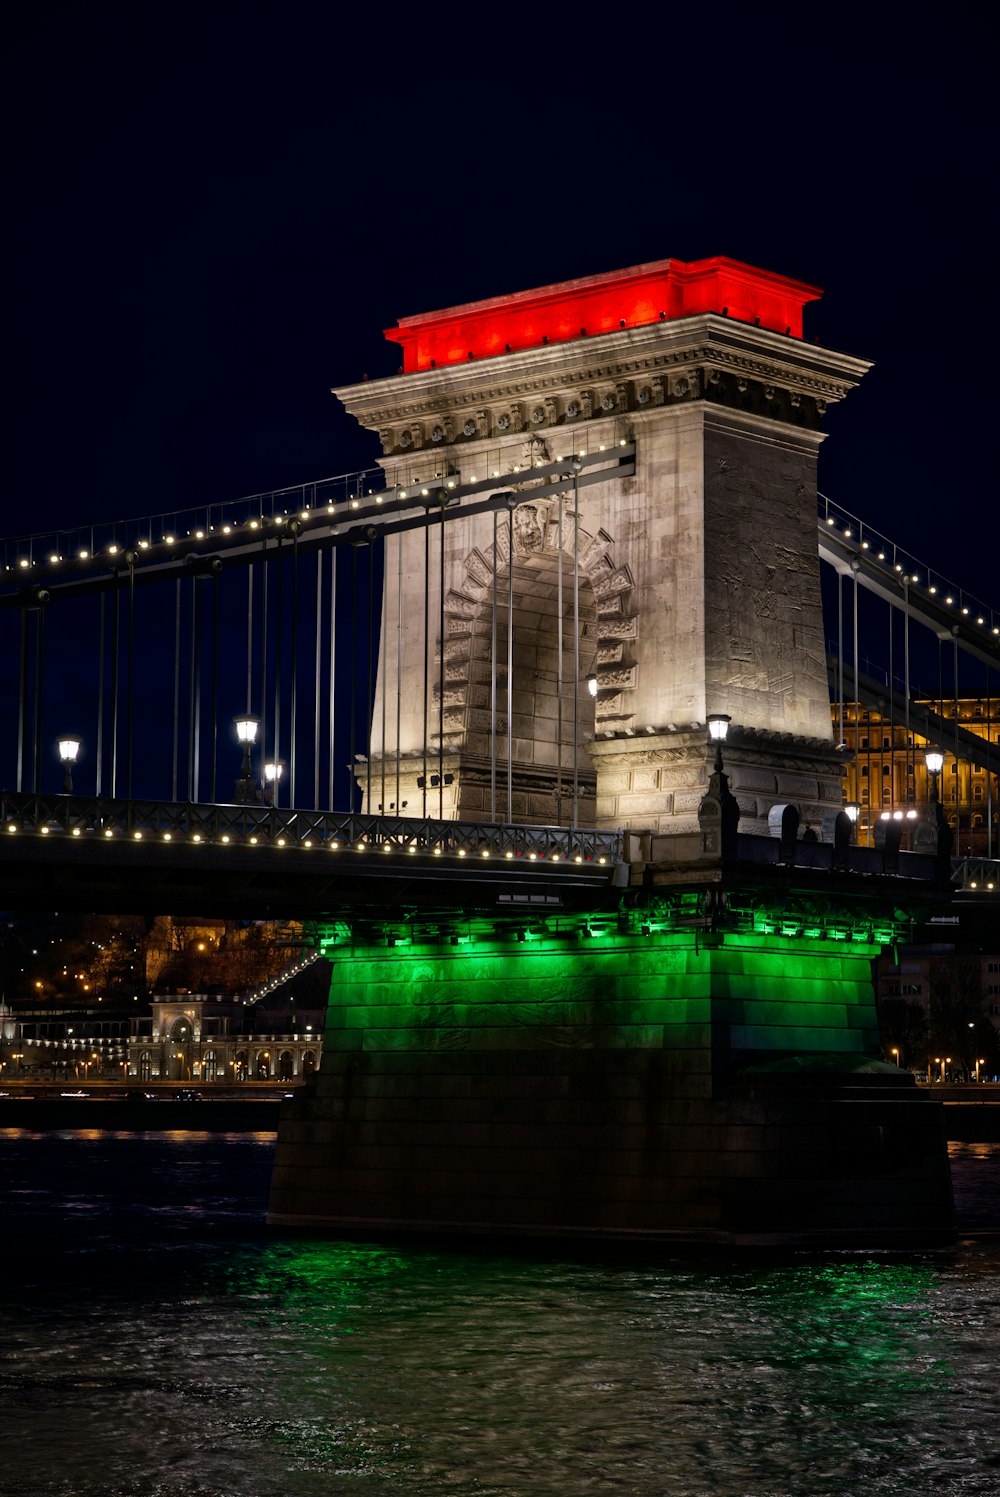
<point>549,682</point>
<point>552,710</point>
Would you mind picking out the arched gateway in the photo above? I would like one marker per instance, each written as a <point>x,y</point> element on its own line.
<point>689,586</point>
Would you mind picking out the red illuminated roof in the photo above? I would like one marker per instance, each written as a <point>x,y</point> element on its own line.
<point>659,292</point>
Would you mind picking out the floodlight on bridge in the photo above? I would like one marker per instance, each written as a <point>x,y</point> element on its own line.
<point>69,748</point>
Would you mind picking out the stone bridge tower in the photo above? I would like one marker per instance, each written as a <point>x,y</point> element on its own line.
<point>697,576</point>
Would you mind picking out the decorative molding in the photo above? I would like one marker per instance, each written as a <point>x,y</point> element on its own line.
<point>632,369</point>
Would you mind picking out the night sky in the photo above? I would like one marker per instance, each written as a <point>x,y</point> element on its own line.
<point>214,211</point>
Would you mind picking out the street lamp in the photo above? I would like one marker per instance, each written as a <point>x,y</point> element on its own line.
<point>894,1052</point>
<point>272,776</point>
<point>69,748</point>
<point>718,811</point>
<point>246,734</point>
<point>979,1062</point>
<point>718,729</point>
<point>934,834</point>
<point>592,684</point>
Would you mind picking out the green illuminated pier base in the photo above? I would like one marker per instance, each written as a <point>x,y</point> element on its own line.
<point>693,1067</point>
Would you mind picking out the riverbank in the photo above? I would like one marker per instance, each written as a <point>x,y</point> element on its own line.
<point>52,1107</point>
<point>256,1108</point>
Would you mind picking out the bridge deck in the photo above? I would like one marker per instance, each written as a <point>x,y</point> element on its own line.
<point>88,853</point>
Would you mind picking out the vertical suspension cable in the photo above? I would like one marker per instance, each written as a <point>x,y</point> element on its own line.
<point>868,838</point>
<point>215,684</point>
<point>427,631</point>
<point>958,813</point>
<point>177,688</point>
<point>263,654</point>
<point>99,779</point>
<point>891,701</point>
<point>493,682</point>
<point>510,666</point>
<point>857,691</point>
<point>279,610</point>
<point>249,705</point>
<point>399,663</point>
<point>333,674</point>
<point>317,678</point>
<point>559,667</point>
<point>384,665</point>
<point>39,712</point>
<point>130,682</point>
<point>370,695</point>
<point>294,691</point>
<point>441,673</point>
<point>354,665</point>
<point>989,767</point>
<point>196,689</point>
<point>906,691</point>
<point>576,646</point>
<point>115,651</point>
<point>22,698</point>
<point>840,667</point>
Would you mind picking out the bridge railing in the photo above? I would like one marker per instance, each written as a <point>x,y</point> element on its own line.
<point>899,563</point>
<point>976,873</point>
<point>25,813</point>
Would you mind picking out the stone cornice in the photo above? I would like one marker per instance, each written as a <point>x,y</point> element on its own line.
<point>747,746</point>
<point>706,340</point>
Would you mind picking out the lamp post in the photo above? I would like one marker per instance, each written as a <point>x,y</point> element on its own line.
<point>69,748</point>
<point>718,729</point>
<point>272,776</point>
<point>934,833</point>
<point>719,812</point>
<point>934,759</point>
<point>246,734</point>
<point>894,1052</point>
<point>592,684</point>
<point>979,1062</point>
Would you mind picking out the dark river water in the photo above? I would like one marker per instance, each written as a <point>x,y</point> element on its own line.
<point>158,1341</point>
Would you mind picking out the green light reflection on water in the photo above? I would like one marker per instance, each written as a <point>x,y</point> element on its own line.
<point>420,1364</point>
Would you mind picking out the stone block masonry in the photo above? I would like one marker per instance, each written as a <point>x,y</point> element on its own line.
<point>688,585</point>
<point>567,1083</point>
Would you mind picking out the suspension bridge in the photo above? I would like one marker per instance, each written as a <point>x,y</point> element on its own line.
<point>461,710</point>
